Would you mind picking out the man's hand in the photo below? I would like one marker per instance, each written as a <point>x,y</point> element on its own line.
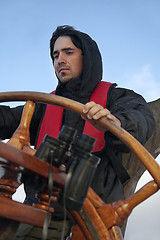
<point>95,111</point>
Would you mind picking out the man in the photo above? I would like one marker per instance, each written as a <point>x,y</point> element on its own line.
<point>78,67</point>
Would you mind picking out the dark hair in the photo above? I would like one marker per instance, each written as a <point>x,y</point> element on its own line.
<point>65,30</point>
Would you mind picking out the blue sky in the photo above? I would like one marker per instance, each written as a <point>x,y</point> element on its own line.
<point>128,36</point>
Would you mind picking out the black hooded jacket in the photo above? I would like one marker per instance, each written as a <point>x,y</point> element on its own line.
<point>129,107</point>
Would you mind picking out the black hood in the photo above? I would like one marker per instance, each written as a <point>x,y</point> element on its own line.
<point>80,89</point>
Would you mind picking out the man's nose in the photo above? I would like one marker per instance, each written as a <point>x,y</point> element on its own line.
<point>61,58</point>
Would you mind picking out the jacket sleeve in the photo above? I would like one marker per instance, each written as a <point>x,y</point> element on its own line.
<point>134,113</point>
<point>9,120</point>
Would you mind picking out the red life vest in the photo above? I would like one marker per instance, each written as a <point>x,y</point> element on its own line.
<point>52,121</point>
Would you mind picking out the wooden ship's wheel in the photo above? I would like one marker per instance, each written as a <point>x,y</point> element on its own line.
<point>96,220</point>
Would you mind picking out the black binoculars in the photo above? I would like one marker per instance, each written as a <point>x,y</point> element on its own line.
<point>74,157</point>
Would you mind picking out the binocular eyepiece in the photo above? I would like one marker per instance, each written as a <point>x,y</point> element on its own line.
<point>80,174</point>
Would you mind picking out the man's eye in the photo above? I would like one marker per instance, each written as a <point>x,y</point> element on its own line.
<point>69,52</point>
<point>55,56</point>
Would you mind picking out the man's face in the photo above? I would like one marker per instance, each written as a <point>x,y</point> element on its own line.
<point>68,59</point>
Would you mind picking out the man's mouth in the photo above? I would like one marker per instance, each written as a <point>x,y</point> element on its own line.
<point>62,69</point>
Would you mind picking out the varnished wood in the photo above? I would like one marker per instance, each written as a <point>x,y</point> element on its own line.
<point>96,215</point>
<point>116,213</point>
<point>94,198</point>
<point>10,175</point>
<point>132,163</point>
<point>130,141</point>
<point>21,136</point>
<point>124,207</point>
<point>115,233</point>
<point>77,233</point>
<point>94,222</point>
<point>82,228</point>
<point>21,212</point>
<point>31,163</point>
